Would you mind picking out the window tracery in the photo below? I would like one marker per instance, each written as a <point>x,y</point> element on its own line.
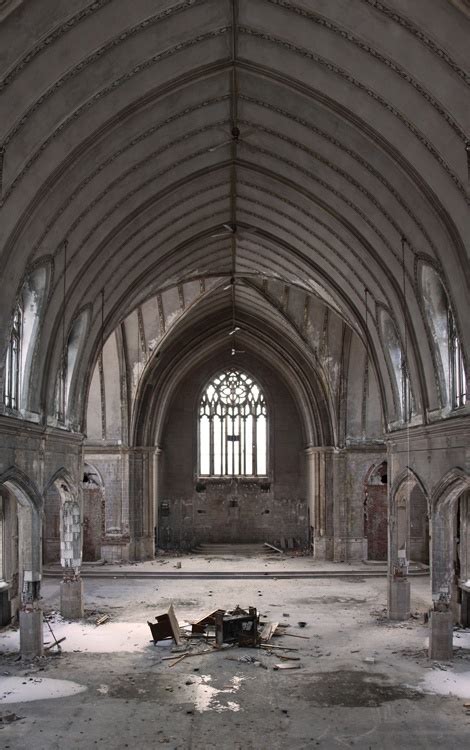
<point>232,426</point>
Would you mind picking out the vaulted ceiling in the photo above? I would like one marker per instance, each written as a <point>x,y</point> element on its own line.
<point>323,144</point>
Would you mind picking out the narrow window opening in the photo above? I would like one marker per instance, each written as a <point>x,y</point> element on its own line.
<point>13,370</point>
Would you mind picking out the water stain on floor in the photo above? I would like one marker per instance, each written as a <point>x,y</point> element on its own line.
<point>355,689</point>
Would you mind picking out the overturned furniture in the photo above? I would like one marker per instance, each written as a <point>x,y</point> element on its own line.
<point>165,627</point>
<point>239,626</point>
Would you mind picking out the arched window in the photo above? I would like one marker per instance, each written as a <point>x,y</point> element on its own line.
<point>232,426</point>
<point>12,370</point>
<point>23,339</point>
<point>442,327</point>
<point>67,370</point>
<point>398,368</point>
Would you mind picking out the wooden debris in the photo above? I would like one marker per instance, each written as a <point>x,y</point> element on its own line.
<point>294,635</point>
<point>278,648</point>
<point>276,549</point>
<point>289,658</point>
<point>166,627</point>
<point>199,626</point>
<point>101,620</point>
<point>287,666</point>
<point>268,630</point>
<point>180,658</point>
<point>56,643</point>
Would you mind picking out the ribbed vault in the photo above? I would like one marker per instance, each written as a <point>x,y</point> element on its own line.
<point>330,140</point>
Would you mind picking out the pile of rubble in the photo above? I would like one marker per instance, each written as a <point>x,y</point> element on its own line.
<point>223,629</point>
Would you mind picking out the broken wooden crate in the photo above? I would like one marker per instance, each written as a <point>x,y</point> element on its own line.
<point>239,626</point>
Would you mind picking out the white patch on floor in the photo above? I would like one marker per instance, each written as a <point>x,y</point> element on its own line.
<point>109,638</point>
<point>209,698</point>
<point>447,683</point>
<point>24,689</point>
<point>462,639</point>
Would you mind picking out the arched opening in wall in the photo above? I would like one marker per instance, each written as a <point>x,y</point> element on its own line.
<point>20,544</point>
<point>231,462</point>
<point>461,560</point>
<point>62,525</point>
<point>376,513</point>
<point>51,532</point>
<point>450,554</point>
<point>93,513</point>
<point>419,526</point>
<point>408,527</point>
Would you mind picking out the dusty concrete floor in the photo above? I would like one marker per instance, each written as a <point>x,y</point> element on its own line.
<point>335,700</point>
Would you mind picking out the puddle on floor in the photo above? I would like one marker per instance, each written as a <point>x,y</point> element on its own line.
<point>197,690</point>
<point>356,689</point>
<point>25,689</point>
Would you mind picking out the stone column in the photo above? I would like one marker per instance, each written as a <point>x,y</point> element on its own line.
<point>340,507</point>
<point>30,614</point>
<point>157,484</point>
<point>441,619</point>
<point>141,479</point>
<point>318,480</point>
<point>398,545</point>
<point>71,587</point>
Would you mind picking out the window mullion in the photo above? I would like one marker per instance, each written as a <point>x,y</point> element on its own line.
<point>254,441</point>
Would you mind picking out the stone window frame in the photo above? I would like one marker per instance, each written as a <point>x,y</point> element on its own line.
<point>255,409</point>
<point>447,348</point>
<point>12,383</point>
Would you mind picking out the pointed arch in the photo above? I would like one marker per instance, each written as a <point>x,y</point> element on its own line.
<point>449,488</point>
<point>24,489</point>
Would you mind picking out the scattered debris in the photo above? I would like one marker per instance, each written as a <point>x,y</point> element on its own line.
<point>56,642</point>
<point>276,549</point>
<point>200,626</point>
<point>287,666</point>
<point>165,627</point>
<point>101,620</point>
<point>9,718</point>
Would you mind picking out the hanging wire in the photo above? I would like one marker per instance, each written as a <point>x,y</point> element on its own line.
<point>467,149</point>
<point>366,294</point>
<point>405,375</point>
<point>64,352</point>
<point>102,321</point>
<point>2,162</point>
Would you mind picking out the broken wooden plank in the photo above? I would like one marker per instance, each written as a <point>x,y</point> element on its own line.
<point>175,656</point>
<point>278,648</point>
<point>180,658</point>
<point>56,643</point>
<point>294,635</point>
<point>101,620</point>
<point>268,630</point>
<point>276,549</point>
<point>286,666</point>
<point>199,626</point>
